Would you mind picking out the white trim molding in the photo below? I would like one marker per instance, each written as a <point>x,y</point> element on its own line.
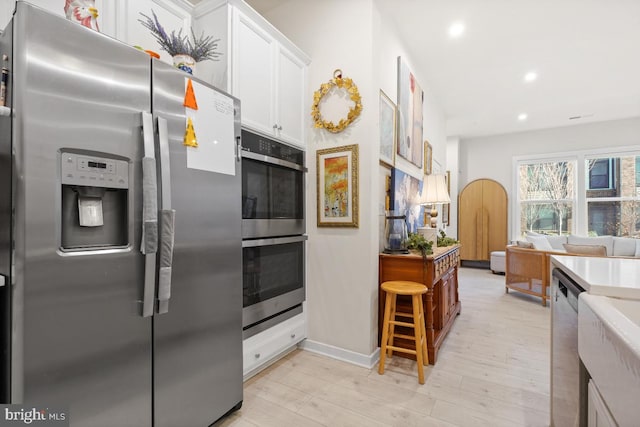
<point>359,359</point>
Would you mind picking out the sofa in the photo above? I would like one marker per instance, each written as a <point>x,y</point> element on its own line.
<point>528,261</point>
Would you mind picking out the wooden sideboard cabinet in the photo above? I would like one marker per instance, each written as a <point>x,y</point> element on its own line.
<point>439,272</point>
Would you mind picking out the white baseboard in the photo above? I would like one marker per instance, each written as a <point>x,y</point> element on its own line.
<point>359,359</point>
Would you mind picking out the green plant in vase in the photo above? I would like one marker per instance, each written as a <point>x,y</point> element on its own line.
<point>416,241</point>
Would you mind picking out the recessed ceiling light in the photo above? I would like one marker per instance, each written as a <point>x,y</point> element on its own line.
<point>456,29</point>
<point>530,76</point>
<point>522,117</point>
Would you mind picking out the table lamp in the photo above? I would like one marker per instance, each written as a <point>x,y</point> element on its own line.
<point>434,192</point>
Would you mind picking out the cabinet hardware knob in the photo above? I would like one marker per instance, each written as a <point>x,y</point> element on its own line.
<point>279,127</point>
<point>293,336</point>
<point>275,126</point>
<point>257,355</point>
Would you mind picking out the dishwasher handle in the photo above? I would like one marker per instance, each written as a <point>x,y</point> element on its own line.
<point>567,287</point>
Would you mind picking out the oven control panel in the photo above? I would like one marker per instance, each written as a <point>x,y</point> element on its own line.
<point>261,145</point>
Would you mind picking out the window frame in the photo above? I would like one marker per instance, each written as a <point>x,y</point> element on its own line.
<point>529,160</point>
<point>580,223</point>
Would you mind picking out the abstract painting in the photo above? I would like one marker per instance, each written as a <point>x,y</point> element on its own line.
<point>337,186</point>
<point>410,98</point>
<point>405,192</point>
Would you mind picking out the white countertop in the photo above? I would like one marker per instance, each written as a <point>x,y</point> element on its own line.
<point>614,277</point>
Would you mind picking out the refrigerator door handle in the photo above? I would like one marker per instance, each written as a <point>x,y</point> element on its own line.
<point>149,244</point>
<point>167,221</point>
<point>238,148</point>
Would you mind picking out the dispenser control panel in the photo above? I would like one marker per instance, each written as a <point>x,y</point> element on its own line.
<point>79,169</point>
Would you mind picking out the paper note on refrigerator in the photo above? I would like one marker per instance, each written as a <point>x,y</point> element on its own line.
<point>213,122</point>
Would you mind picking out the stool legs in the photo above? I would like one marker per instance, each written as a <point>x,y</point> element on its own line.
<point>392,325</point>
<point>425,353</point>
<point>419,333</point>
<point>417,320</point>
<point>385,331</point>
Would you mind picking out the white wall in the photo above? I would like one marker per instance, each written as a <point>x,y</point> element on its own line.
<point>492,156</point>
<point>342,262</point>
<point>342,286</point>
<point>453,166</point>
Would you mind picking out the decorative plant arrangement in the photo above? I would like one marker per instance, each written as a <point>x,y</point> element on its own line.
<point>444,240</point>
<point>197,48</point>
<point>416,241</point>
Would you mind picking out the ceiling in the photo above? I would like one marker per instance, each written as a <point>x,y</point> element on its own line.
<point>585,53</point>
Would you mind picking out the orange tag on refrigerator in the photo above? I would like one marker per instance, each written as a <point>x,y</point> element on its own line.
<point>190,135</point>
<point>190,97</point>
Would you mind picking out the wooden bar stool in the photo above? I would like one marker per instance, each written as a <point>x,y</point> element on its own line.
<point>415,290</point>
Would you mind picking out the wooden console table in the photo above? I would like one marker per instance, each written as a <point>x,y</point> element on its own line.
<point>441,303</point>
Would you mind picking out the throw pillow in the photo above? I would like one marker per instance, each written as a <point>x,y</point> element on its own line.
<point>624,246</point>
<point>525,245</point>
<point>556,242</point>
<point>540,242</point>
<point>596,240</point>
<point>596,250</point>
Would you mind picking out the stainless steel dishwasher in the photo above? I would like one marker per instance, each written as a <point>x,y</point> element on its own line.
<point>569,377</point>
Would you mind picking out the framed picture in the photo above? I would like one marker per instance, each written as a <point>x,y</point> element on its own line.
<point>410,97</point>
<point>387,130</point>
<point>405,190</point>
<point>428,158</point>
<point>446,208</point>
<point>337,181</point>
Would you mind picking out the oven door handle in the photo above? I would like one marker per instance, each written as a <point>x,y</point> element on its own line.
<point>273,241</point>
<point>273,160</point>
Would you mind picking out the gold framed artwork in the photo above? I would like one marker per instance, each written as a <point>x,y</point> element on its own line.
<point>387,116</point>
<point>337,186</point>
<point>428,158</point>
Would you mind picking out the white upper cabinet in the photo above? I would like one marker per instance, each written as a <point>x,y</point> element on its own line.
<point>269,80</point>
<point>253,74</point>
<point>290,104</point>
<point>259,66</point>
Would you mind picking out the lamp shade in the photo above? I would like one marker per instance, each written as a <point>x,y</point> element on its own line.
<point>434,190</point>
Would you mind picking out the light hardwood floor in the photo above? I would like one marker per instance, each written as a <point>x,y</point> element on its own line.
<point>492,370</point>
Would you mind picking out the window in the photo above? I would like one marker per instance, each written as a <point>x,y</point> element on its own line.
<point>608,202</point>
<point>546,196</point>
<point>612,209</point>
<point>601,173</point>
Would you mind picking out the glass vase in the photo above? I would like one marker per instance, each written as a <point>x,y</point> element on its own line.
<point>395,234</point>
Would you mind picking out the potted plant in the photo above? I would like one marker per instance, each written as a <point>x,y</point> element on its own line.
<point>416,241</point>
<point>184,51</point>
<point>444,240</point>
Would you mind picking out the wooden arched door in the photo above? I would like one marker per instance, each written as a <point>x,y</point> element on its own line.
<point>482,219</point>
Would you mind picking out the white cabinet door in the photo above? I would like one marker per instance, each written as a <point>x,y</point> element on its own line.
<point>290,108</point>
<point>599,415</point>
<point>253,74</point>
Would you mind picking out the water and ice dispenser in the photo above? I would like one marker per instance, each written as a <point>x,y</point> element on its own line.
<point>94,201</point>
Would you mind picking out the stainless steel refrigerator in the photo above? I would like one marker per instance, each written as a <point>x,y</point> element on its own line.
<point>94,171</point>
